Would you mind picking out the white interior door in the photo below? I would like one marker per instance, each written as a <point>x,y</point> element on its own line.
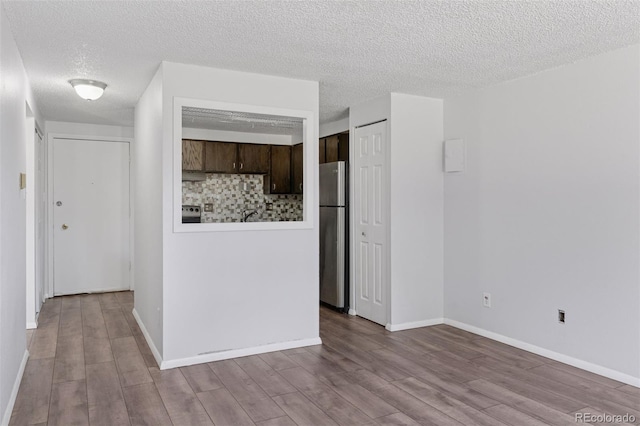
<point>91,216</point>
<point>371,222</point>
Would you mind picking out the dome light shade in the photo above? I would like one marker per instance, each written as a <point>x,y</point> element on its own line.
<point>88,89</point>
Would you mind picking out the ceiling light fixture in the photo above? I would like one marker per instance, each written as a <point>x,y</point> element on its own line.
<point>88,89</point>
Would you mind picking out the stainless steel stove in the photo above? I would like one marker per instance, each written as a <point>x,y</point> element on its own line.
<point>191,214</point>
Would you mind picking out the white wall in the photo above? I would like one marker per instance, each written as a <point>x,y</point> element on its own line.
<point>147,168</point>
<point>85,129</point>
<point>546,216</point>
<point>234,290</point>
<point>369,112</point>
<point>416,209</point>
<point>15,94</point>
<point>415,134</point>
<point>333,127</point>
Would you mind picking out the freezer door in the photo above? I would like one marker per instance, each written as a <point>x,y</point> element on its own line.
<point>332,183</point>
<point>332,260</point>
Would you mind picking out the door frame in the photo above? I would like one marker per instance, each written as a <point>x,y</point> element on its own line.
<point>32,155</point>
<point>40,207</point>
<point>49,204</point>
<point>352,217</point>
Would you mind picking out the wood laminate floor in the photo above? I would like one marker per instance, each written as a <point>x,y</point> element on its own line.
<point>89,364</point>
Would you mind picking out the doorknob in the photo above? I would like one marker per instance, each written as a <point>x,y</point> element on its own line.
<point>364,234</point>
<point>65,227</point>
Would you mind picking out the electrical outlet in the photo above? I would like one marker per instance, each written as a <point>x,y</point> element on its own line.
<point>486,300</point>
<point>560,316</point>
<point>269,206</point>
<point>208,207</point>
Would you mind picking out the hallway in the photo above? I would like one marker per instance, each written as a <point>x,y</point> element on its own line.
<point>89,364</point>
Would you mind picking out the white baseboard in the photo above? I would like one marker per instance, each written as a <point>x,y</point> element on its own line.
<point>32,325</point>
<point>415,324</point>
<point>14,392</point>
<point>565,359</point>
<point>147,337</point>
<point>352,312</point>
<point>95,291</point>
<point>235,353</point>
<point>218,356</point>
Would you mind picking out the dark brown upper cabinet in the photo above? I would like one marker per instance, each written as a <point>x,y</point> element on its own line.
<point>192,155</point>
<point>253,158</point>
<point>334,148</point>
<point>343,147</point>
<point>297,161</point>
<point>220,157</point>
<point>280,182</point>
<point>331,147</point>
<point>322,150</point>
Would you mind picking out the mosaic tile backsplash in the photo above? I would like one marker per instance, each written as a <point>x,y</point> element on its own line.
<point>230,200</point>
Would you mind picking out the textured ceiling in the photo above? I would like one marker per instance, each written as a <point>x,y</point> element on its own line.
<point>357,50</point>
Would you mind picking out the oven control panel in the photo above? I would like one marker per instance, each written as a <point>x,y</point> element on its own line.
<point>190,214</point>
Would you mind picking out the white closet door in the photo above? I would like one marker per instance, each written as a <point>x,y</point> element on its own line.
<point>371,222</point>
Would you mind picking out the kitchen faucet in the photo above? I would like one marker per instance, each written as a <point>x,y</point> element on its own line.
<point>246,214</point>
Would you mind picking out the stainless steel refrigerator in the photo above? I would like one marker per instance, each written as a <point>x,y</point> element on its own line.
<point>333,234</point>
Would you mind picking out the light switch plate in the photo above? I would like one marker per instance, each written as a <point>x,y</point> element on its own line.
<point>454,156</point>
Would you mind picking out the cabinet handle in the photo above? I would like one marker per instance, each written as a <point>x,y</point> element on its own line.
<point>300,186</point>
<point>240,166</point>
<point>234,166</point>
<point>274,186</point>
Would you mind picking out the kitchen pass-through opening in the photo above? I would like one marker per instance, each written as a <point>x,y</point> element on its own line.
<point>241,167</point>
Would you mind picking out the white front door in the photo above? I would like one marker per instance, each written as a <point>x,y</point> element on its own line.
<point>371,222</point>
<point>91,216</point>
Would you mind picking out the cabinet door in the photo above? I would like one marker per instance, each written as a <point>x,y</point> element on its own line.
<point>321,150</point>
<point>280,169</point>
<point>343,147</point>
<point>220,157</point>
<point>297,161</point>
<point>331,148</point>
<point>253,158</point>
<point>192,155</point>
